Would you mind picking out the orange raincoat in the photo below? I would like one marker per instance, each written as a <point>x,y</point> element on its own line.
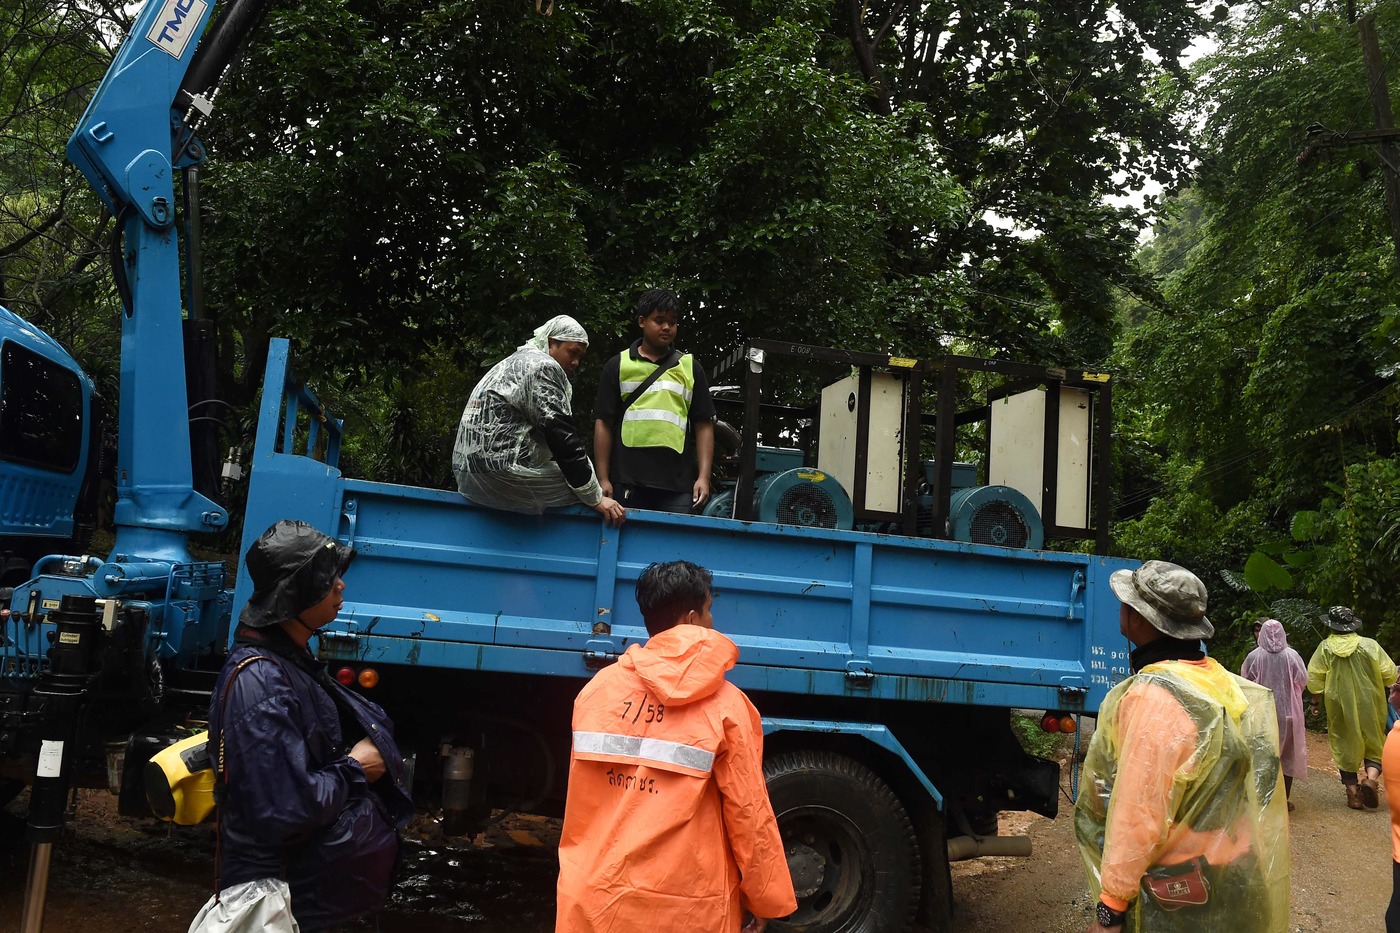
<point>668,824</point>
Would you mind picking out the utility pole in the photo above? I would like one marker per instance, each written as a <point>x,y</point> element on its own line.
<point>1380,107</point>
<point>1383,137</point>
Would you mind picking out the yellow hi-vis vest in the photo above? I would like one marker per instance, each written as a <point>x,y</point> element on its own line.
<point>659,417</point>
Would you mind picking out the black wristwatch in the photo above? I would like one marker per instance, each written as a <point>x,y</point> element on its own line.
<point>1108,917</point>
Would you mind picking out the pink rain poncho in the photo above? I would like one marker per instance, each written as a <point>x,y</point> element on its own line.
<point>1276,666</point>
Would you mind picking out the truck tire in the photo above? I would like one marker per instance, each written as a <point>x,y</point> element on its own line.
<point>850,845</point>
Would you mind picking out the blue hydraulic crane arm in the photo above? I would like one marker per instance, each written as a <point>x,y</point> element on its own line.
<point>139,129</point>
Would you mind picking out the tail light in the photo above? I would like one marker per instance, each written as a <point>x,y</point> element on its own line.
<point>1059,722</point>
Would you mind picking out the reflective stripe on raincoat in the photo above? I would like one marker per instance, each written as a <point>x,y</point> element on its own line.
<point>668,824</point>
<point>1184,765</point>
<point>1353,673</point>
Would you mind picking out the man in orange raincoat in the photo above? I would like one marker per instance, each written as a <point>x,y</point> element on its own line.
<point>668,824</point>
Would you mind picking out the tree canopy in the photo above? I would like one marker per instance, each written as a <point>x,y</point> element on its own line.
<point>1262,388</point>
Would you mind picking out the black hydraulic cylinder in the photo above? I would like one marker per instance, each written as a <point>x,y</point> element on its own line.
<point>220,46</point>
<point>63,690</point>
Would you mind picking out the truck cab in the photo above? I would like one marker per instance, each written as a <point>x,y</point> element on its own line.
<point>50,450</point>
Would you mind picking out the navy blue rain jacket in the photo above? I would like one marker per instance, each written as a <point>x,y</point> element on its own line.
<point>295,806</point>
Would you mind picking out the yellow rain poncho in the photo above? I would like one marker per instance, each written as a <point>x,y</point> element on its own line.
<point>1182,776</point>
<point>1353,673</point>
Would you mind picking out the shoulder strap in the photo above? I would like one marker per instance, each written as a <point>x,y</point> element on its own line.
<point>666,362</point>
<point>221,773</point>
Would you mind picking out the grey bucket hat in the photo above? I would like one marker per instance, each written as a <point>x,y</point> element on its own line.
<point>1342,619</point>
<point>1171,598</point>
<point>293,566</point>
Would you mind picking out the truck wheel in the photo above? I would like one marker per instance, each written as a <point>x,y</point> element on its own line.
<point>850,845</point>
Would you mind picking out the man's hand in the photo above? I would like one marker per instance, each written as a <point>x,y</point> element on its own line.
<point>367,754</point>
<point>701,492</point>
<point>1095,928</point>
<point>755,925</point>
<point>612,511</point>
<point>607,486</point>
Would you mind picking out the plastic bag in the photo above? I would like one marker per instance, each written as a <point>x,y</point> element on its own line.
<point>262,906</point>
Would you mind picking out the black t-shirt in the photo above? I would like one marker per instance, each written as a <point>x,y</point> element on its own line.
<point>654,467</point>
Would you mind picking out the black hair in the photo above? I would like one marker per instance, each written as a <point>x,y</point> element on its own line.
<point>666,592</point>
<point>659,299</point>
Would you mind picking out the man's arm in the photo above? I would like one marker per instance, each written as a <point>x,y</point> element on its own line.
<point>704,461</point>
<point>1156,738</point>
<point>602,454</point>
<point>549,410</point>
<point>765,885</point>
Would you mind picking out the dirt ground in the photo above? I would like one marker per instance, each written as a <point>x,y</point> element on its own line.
<point>121,876</point>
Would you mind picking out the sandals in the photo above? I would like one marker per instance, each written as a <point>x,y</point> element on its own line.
<point>1368,793</point>
<point>1354,796</point>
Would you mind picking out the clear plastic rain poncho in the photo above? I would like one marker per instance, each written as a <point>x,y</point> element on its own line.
<point>1182,781</point>
<point>1353,673</point>
<point>1276,666</point>
<point>517,447</point>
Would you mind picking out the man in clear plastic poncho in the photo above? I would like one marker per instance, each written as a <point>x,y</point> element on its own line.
<point>1353,673</point>
<point>517,448</point>
<point>1180,816</point>
<point>1275,665</point>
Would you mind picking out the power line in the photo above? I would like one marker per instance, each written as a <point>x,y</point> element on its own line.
<point>1223,466</point>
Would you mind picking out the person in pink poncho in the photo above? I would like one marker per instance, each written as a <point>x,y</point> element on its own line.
<point>1275,665</point>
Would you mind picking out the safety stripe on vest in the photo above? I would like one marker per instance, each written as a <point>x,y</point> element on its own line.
<point>654,414</point>
<point>644,750</point>
<point>660,385</point>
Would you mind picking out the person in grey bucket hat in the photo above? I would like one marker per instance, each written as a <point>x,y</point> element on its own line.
<point>1181,819</point>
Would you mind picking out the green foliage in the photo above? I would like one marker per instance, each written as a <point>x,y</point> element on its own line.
<point>1265,379</point>
<point>52,237</point>
<point>1035,740</point>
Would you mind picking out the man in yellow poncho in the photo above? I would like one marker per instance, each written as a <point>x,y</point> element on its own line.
<point>1181,817</point>
<point>1353,673</point>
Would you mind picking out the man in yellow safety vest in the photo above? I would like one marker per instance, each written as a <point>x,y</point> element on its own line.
<point>654,437</point>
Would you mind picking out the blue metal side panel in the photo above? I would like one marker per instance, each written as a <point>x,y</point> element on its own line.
<point>440,582</point>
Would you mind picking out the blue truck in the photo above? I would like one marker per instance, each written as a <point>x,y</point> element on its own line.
<point>892,603</point>
<point>50,450</point>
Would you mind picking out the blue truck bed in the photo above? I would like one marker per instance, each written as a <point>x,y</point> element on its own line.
<point>445,584</point>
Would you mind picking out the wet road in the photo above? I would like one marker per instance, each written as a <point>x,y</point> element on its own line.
<point>120,876</point>
<point>112,875</point>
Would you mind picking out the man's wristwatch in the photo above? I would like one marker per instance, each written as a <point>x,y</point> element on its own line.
<point>1108,917</point>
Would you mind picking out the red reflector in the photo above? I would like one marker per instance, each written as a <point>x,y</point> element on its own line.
<point>1050,722</point>
<point>345,676</point>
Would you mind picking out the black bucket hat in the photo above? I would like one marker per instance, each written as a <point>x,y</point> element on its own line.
<point>293,566</point>
<point>1342,619</point>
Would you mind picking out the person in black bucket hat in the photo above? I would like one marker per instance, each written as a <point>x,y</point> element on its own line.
<point>313,791</point>
<point>1353,673</point>
<point>293,568</point>
<point>1180,818</point>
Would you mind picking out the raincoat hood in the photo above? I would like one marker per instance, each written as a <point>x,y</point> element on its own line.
<point>682,664</point>
<point>560,327</point>
<point>1208,677</point>
<point>1343,646</point>
<point>1272,637</point>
